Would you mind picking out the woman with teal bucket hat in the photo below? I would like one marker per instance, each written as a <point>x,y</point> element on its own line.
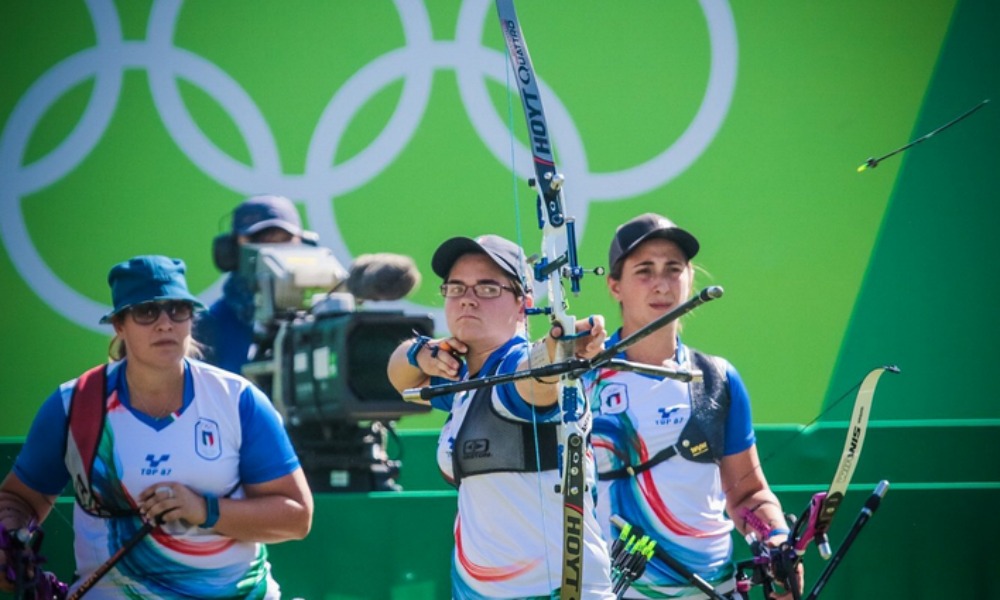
<point>181,471</point>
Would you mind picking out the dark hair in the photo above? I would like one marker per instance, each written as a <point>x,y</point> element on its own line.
<point>518,287</point>
<point>616,270</point>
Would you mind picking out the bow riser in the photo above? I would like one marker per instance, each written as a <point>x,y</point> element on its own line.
<point>553,265</point>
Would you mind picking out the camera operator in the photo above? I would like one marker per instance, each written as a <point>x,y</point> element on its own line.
<point>286,297</point>
<point>226,329</point>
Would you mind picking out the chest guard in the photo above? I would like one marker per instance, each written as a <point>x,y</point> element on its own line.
<point>490,443</point>
<point>703,437</point>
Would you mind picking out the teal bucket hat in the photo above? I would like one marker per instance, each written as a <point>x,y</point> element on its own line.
<point>148,279</point>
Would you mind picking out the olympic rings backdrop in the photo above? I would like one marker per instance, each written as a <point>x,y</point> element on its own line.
<point>136,127</point>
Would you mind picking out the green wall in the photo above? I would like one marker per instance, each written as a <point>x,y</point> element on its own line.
<point>393,547</point>
<point>927,540</point>
<point>828,272</point>
<point>929,293</point>
<point>387,125</point>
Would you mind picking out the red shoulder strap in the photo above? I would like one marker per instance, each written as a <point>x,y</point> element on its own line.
<point>86,413</point>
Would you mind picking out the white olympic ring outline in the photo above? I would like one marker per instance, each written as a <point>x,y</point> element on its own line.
<point>322,181</point>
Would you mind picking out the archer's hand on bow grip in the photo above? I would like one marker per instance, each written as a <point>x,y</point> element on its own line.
<point>586,342</point>
<point>443,358</point>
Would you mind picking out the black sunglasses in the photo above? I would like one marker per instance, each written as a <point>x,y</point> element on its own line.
<point>147,313</point>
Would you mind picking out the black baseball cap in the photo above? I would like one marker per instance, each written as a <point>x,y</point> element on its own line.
<point>650,225</point>
<point>506,254</point>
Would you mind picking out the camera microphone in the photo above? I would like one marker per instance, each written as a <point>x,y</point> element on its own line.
<point>382,276</point>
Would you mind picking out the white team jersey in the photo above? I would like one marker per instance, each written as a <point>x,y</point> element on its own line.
<point>199,446</point>
<point>509,528</point>
<point>679,500</point>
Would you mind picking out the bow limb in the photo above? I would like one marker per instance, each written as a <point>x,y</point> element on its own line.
<point>825,504</point>
<point>558,260</point>
<point>781,563</point>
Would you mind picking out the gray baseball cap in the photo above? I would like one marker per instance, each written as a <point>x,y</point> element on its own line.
<point>506,254</point>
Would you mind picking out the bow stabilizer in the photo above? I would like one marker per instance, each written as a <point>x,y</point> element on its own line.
<point>578,366</point>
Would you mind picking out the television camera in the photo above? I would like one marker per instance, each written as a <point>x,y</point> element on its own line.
<point>321,356</point>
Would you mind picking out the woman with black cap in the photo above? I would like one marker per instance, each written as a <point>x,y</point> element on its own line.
<point>499,444</point>
<point>157,437</point>
<point>674,458</point>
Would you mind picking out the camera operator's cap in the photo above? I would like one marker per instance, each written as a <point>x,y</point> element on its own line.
<point>258,213</point>
<point>506,254</point>
<point>147,279</point>
<point>650,225</point>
